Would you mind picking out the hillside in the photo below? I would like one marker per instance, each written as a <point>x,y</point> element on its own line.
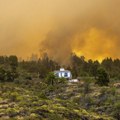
<point>35,100</point>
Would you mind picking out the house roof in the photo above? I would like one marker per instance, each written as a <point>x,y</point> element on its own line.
<point>61,70</point>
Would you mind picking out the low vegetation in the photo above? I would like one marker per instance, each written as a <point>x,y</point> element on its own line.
<point>27,94</point>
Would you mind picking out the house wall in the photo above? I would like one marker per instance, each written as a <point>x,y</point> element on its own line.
<point>69,74</point>
<point>62,74</point>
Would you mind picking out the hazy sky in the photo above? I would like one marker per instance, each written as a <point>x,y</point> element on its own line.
<point>59,27</point>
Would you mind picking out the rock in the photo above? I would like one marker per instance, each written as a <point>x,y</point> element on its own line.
<point>74,81</point>
<point>117,85</point>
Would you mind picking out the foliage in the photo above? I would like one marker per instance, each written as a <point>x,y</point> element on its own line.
<point>102,77</point>
<point>13,61</point>
<point>38,94</point>
<point>116,112</point>
<point>43,66</point>
<point>79,66</point>
<point>86,87</point>
<point>8,69</point>
<point>2,74</point>
<point>37,100</point>
<point>7,75</point>
<point>62,80</point>
<point>51,79</point>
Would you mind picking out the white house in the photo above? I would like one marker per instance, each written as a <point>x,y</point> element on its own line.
<point>63,73</point>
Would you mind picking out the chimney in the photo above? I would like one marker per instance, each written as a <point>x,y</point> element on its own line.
<point>62,69</point>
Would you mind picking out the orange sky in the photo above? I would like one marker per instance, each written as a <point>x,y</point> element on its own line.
<point>86,27</point>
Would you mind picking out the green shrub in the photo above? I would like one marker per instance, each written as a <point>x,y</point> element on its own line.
<point>112,91</point>
<point>2,75</point>
<point>62,80</point>
<point>7,75</point>
<point>102,78</point>
<point>55,117</point>
<point>103,90</point>
<point>13,96</point>
<point>116,110</point>
<point>51,88</point>
<point>86,88</point>
<point>12,112</point>
<point>76,100</point>
<point>51,79</point>
<point>42,95</point>
<point>88,101</point>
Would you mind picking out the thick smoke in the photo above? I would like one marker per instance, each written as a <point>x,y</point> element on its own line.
<point>94,33</point>
<point>60,27</point>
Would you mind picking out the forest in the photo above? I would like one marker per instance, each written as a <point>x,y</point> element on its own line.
<point>79,66</point>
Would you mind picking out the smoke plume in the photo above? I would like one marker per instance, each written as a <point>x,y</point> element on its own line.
<point>60,27</point>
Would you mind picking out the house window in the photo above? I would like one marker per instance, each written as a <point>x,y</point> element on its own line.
<point>66,74</point>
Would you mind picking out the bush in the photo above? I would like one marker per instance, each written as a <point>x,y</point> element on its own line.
<point>102,77</point>
<point>55,117</point>
<point>86,85</point>
<point>62,80</point>
<point>7,75</point>
<point>51,88</point>
<point>116,112</point>
<point>86,88</point>
<point>13,61</point>
<point>13,96</point>
<point>51,79</point>
<point>2,75</point>
<point>12,112</point>
<point>42,95</point>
